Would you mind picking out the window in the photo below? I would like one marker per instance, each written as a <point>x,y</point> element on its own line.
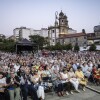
<point>84,42</point>
<point>53,40</point>
<point>53,31</point>
<point>76,39</point>
<point>84,37</point>
<point>63,31</point>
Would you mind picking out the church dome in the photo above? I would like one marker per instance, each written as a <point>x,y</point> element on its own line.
<point>65,16</point>
<point>61,13</point>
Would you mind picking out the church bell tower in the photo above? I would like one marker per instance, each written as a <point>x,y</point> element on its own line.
<point>63,23</point>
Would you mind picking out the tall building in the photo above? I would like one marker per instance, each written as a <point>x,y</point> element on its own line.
<point>23,32</point>
<point>63,23</point>
<point>53,34</point>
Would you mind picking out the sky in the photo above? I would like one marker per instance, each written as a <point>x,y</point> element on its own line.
<point>37,14</point>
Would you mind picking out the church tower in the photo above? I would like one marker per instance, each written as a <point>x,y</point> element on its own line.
<point>63,24</point>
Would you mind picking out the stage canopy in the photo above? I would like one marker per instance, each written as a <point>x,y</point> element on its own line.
<point>24,45</point>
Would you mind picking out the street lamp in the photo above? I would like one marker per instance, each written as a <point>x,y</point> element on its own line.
<point>56,14</point>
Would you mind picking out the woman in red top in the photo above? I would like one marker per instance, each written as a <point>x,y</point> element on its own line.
<point>96,74</point>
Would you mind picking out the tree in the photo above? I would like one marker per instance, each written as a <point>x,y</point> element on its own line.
<point>69,46</point>
<point>39,41</point>
<point>1,40</point>
<point>7,45</point>
<point>57,46</point>
<point>76,47</point>
<point>92,47</point>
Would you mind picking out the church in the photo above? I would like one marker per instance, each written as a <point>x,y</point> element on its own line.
<point>62,33</point>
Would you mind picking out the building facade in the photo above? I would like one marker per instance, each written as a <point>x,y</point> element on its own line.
<point>2,36</point>
<point>53,34</point>
<point>77,38</point>
<point>23,32</point>
<point>61,33</point>
<point>63,23</point>
<point>60,27</point>
<point>94,37</point>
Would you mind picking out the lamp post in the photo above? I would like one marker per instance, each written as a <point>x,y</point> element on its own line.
<point>56,13</point>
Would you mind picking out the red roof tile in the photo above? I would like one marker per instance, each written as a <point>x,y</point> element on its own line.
<point>71,35</point>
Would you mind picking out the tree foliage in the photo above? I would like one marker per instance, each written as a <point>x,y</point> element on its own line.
<point>76,47</point>
<point>58,46</point>
<point>92,47</point>
<point>7,45</point>
<point>38,41</point>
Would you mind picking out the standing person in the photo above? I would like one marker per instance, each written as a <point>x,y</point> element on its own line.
<point>13,86</point>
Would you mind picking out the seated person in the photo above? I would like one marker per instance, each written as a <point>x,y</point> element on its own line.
<point>67,85</point>
<point>81,78</point>
<point>96,74</point>
<point>2,82</point>
<point>27,86</point>
<point>40,71</point>
<point>3,95</point>
<point>36,79</point>
<point>46,75</point>
<point>56,78</point>
<point>73,79</point>
<point>13,86</point>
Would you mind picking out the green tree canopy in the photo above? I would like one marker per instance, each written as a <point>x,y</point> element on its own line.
<point>92,47</point>
<point>39,41</point>
<point>76,47</point>
<point>7,45</point>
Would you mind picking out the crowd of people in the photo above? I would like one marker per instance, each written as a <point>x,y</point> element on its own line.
<point>31,74</point>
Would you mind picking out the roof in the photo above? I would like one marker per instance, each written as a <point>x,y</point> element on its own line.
<point>25,42</point>
<point>52,27</point>
<point>71,35</point>
<point>90,33</point>
<point>92,36</point>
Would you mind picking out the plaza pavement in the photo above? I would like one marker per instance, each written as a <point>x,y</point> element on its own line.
<point>94,86</point>
<point>87,95</point>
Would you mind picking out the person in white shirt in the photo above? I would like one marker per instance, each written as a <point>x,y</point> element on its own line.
<point>73,79</point>
<point>16,66</point>
<point>2,82</point>
<point>66,83</point>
